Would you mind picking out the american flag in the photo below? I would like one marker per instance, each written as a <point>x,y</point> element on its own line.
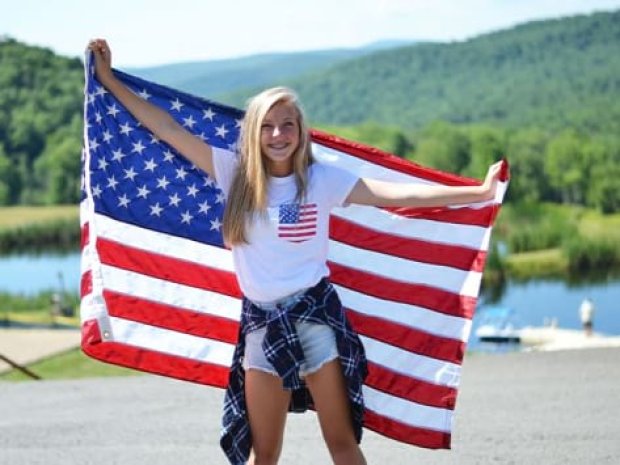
<point>297,222</point>
<point>159,293</point>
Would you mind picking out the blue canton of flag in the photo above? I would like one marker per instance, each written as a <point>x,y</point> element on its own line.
<point>289,213</point>
<point>137,179</point>
<point>297,222</point>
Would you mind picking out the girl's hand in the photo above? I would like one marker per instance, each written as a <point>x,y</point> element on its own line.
<point>103,59</point>
<point>492,178</point>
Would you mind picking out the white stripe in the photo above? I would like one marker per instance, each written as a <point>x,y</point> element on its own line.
<point>376,219</point>
<point>86,260</point>
<point>407,412</point>
<point>454,280</point>
<point>473,237</point>
<point>362,168</point>
<point>410,364</point>
<point>92,307</point>
<point>169,293</point>
<point>367,169</point>
<point>412,316</point>
<point>164,244</point>
<point>84,211</point>
<point>408,271</point>
<point>171,342</point>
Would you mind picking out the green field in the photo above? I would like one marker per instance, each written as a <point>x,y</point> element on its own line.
<point>70,365</point>
<point>14,217</point>
<point>541,239</point>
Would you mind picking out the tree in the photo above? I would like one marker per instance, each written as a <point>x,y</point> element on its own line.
<point>488,145</point>
<point>6,174</point>
<point>442,146</point>
<point>57,171</point>
<point>564,164</point>
<point>603,190</point>
<point>525,153</point>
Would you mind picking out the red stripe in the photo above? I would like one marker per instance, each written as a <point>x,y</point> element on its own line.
<point>413,249</point>
<point>307,234</point>
<point>414,294</point>
<point>482,217</point>
<point>86,283</point>
<point>422,437</point>
<point>174,318</point>
<point>388,160</point>
<point>84,236</point>
<point>170,269</point>
<point>298,226</point>
<point>158,363</point>
<point>416,390</point>
<point>408,338</point>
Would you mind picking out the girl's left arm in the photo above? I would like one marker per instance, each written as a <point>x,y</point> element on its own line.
<point>390,194</point>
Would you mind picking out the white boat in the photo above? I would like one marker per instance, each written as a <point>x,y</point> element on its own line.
<point>501,325</point>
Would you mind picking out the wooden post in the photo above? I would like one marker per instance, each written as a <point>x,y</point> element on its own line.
<point>17,366</point>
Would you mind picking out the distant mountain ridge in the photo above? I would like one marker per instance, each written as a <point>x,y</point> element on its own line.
<point>553,73</point>
<point>215,77</point>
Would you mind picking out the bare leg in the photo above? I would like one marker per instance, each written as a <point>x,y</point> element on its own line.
<point>267,405</point>
<point>328,390</point>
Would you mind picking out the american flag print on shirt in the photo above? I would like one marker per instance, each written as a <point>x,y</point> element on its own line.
<point>158,289</point>
<point>297,222</point>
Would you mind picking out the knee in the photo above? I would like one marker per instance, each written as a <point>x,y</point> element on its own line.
<point>339,443</point>
<point>264,457</point>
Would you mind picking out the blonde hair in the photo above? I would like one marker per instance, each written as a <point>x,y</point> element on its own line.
<point>248,191</point>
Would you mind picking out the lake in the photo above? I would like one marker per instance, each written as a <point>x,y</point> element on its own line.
<point>534,301</point>
<point>539,300</point>
<point>29,274</point>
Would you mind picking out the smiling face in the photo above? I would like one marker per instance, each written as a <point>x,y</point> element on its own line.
<point>279,138</point>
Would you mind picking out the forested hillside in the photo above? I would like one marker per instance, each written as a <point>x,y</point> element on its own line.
<point>212,78</point>
<point>544,94</point>
<point>552,74</point>
<point>40,125</point>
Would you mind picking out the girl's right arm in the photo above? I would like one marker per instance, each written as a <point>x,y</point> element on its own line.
<point>158,121</point>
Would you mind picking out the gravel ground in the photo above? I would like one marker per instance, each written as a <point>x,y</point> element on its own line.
<point>525,408</point>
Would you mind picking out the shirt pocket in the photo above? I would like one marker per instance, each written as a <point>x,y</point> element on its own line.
<point>294,222</point>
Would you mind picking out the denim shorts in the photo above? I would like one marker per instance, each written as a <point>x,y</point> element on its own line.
<point>317,341</point>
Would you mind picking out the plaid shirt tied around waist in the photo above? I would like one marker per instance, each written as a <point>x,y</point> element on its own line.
<point>319,304</point>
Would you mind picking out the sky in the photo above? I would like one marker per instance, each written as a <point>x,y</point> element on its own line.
<point>153,32</point>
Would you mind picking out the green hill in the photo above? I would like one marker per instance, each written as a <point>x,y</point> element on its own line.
<point>40,124</point>
<point>552,74</point>
<point>546,94</point>
<point>211,78</point>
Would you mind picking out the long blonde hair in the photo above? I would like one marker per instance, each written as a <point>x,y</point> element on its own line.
<point>248,191</point>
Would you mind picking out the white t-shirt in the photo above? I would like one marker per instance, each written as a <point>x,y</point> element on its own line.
<point>287,247</point>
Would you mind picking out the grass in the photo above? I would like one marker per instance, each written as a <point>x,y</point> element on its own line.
<point>594,225</point>
<point>538,264</point>
<point>38,318</point>
<point>13,217</point>
<point>543,239</point>
<point>39,228</point>
<point>73,364</point>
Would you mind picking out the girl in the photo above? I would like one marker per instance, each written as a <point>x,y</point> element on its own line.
<point>296,348</point>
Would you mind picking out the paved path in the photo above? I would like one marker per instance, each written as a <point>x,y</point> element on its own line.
<point>24,346</point>
<point>514,409</point>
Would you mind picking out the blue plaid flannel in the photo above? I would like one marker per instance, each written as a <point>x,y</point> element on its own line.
<point>321,305</point>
